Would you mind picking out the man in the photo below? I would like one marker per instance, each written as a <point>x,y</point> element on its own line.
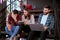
<point>12,26</point>
<point>47,19</point>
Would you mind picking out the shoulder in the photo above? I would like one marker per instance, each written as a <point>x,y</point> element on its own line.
<point>40,15</point>
<point>22,15</point>
<point>9,16</point>
<point>50,15</point>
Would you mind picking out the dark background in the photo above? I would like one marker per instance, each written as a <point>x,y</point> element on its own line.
<point>55,4</point>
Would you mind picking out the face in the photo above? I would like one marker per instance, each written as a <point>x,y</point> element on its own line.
<point>25,12</point>
<point>15,14</point>
<point>46,10</point>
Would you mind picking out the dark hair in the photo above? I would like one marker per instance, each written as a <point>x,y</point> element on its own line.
<point>47,6</point>
<point>28,16</point>
<point>26,9</point>
<point>15,11</point>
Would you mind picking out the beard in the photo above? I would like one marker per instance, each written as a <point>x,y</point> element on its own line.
<point>45,13</point>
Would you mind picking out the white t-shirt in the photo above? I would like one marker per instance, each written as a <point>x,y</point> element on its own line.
<point>44,19</point>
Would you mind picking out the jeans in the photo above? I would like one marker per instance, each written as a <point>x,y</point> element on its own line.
<point>13,31</point>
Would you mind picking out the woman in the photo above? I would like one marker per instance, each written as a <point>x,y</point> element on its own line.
<point>27,19</point>
<point>12,26</point>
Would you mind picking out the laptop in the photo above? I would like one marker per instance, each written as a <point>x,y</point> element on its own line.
<point>36,27</point>
<point>21,23</point>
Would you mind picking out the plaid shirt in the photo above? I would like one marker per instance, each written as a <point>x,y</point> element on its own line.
<point>50,21</point>
<point>11,20</point>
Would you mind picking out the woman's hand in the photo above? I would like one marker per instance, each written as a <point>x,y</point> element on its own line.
<point>26,23</point>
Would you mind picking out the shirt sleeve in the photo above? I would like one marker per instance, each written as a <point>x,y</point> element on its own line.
<point>19,18</point>
<point>9,19</point>
<point>52,23</point>
<point>6,18</point>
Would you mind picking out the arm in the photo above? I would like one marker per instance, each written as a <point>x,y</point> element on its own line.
<point>7,23</point>
<point>32,19</point>
<point>52,23</point>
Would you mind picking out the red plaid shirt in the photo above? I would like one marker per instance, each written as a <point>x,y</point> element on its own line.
<point>11,20</point>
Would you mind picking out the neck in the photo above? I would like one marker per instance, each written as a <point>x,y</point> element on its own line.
<point>46,13</point>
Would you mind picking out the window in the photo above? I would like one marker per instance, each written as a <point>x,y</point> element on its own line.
<point>0,1</point>
<point>13,4</point>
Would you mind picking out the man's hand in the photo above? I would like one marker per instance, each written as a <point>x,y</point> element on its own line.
<point>45,28</point>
